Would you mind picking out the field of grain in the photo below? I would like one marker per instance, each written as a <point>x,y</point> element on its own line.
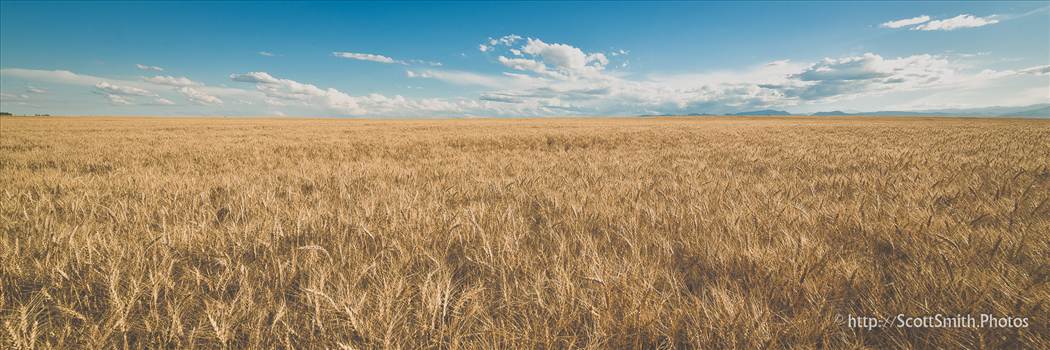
<point>561,233</point>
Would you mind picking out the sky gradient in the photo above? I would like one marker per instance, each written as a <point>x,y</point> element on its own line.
<point>414,59</point>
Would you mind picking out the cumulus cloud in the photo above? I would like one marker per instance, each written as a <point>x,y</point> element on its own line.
<point>530,65</point>
<point>958,22</point>
<point>146,67</point>
<point>555,61</point>
<point>492,43</point>
<point>869,73</point>
<point>171,81</point>
<point>566,59</point>
<point>198,97</point>
<point>556,78</point>
<point>865,67</point>
<point>108,88</point>
<point>907,22</point>
<point>291,90</point>
<point>506,40</point>
<point>538,77</point>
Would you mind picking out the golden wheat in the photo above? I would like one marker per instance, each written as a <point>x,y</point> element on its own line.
<point>562,233</point>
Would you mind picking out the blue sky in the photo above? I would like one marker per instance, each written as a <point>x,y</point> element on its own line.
<point>412,59</point>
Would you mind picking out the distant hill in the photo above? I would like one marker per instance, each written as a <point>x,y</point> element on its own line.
<point>761,112</point>
<point>678,115</point>
<point>1030,111</point>
<point>1038,110</point>
<point>1035,112</point>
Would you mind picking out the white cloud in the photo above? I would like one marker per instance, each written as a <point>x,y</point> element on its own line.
<point>384,59</point>
<point>550,60</point>
<point>559,78</point>
<point>426,63</point>
<point>266,53</point>
<point>122,90</point>
<point>36,90</point>
<point>526,64</point>
<point>848,77</point>
<point>566,59</point>
<point>254,77</point>
<point>1037,70</point>
<point>118,100</point>
<point>907,22</point>
<point>541,78</point>
<point>365,57</point>
<point>145,67</point>
<point>163,102</point>
<point>958,22</point>
<point>507,80</point>
<point>506,40</point>
<point>198,97</point>
<point>275,102</point>
<point>555,78</point>
<point>997,74</point>
<point>70,78</point>
<point>55,76</point>
<point>287,89</point>
<point>171,81</point>
<point>290,93</point>
<point>13,97</point>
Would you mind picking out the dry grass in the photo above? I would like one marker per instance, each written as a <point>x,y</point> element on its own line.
<point>602,233</point>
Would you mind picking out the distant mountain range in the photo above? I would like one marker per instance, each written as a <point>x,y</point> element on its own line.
<point>763,112</point>
<point>1036,112</point>
<point>1031,111</point>
<point>1039,110</point>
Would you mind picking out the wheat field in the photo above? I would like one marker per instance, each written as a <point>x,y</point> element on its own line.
<point>525,233</point>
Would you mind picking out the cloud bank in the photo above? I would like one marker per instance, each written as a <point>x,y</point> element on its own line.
<point>534,77</point>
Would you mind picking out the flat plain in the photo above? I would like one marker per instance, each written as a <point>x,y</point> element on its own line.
<point>524,233</point>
